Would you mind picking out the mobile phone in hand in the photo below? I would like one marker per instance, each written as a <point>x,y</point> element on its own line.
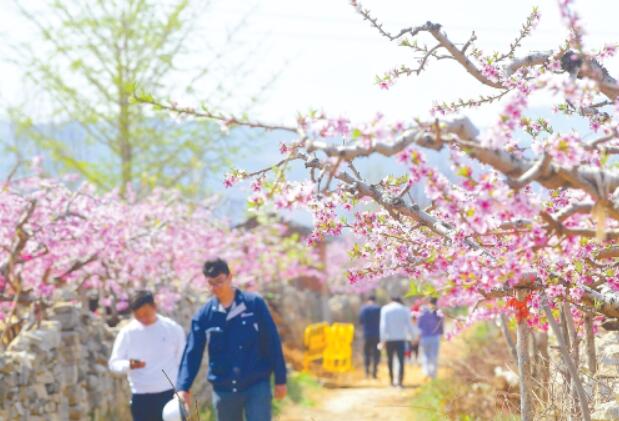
<point>135,363</point>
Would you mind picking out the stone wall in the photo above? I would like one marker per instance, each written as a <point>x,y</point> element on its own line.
<point>58,371</point>
<point>606,401</point>
<point>294,309</point>
<point>602,389</point>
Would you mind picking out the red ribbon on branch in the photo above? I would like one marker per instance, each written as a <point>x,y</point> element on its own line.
<point>521,308</point>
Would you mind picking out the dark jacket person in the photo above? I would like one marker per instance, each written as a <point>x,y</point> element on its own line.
<point>369,318</point>
<point>244,350</point>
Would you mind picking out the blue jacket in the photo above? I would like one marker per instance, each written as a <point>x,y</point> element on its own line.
<point>369,318</point>
<point>243,345</point>
<point>430,323</point>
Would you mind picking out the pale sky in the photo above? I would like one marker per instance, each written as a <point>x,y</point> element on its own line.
<point>330,56</point>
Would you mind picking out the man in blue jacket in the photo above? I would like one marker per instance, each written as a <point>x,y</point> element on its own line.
<point>244,350</point>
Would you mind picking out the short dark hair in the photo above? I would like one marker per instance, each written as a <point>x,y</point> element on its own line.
<point>215,267</point>
<point>140,298</point>
<point>433,300</point>
<point>372,298</point>
<point>397,299</point>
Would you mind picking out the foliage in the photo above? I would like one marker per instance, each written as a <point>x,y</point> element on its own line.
<point>526,224</point>
<point>54,239</point>
<point>487,229</point>
<point>466,390</point>
<point>89,61</point>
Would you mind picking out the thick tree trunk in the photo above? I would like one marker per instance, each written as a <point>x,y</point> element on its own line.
<point>524,364</point>
<point>564,350</point>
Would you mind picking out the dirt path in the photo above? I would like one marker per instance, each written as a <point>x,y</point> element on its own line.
<point>354,398</point>
<point>360,400</point>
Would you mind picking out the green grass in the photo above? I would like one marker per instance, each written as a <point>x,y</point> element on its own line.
<point>298,386</point>
<point>430,403</point>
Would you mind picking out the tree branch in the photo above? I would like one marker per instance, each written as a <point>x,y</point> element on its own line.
<point>228,120</point>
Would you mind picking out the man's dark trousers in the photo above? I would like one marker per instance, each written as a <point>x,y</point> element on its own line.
<point>149,406</point>
<point>396,348</point>
<point>371,356</point>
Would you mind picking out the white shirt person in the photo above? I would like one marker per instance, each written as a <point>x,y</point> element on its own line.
<point>396,328</point>
<point>143,348</point>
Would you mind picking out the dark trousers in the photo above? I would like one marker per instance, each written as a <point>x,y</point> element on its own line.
<point>149,406</point>
<point>371,356</point>
<point>396,348</point>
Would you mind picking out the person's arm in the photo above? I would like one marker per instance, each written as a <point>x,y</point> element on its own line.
<point>119,360</point>
<point>275,346</point>
<point>192,355</point>
<point>362,316</point>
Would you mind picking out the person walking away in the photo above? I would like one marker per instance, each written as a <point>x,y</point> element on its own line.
<point>143,348</point>
<point>369,319</point>
<point>414,350</point>
<point>244,349</point>
<point>431,327</point>
<point>396,328</point>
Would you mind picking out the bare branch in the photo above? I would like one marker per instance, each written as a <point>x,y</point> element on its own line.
<point>593,70</point>
<point>572,210</point>
<point>292,157</point>
<point>76,266</point>
<point>463,128</point>
<point>435,30</point>
<point>536,171</point>
<point>530,60</point>
<point>560,229</point>
<point>609,253</point>
<point>467,44</point>
<point>228,120</point>
<point>602,140</point>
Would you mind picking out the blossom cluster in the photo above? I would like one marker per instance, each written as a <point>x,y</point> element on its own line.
<point>88,242</point>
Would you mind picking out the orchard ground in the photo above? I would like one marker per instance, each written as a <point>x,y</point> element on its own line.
<point>352,397</point>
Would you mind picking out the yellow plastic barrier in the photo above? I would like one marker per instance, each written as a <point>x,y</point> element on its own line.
<point>337,356</point>
<point>315,340</point>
